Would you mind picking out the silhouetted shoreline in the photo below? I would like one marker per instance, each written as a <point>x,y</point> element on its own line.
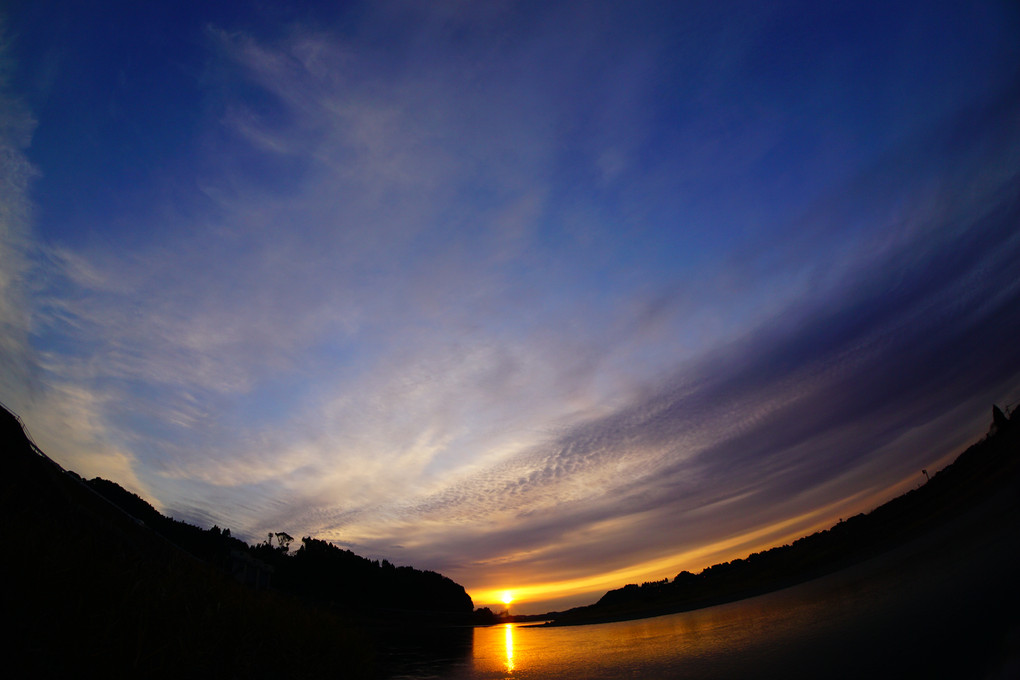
<point>92,551</point>
<point>988,469</point>
<point>103,581</point>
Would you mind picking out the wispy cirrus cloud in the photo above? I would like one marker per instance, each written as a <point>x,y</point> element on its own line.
<point>802,411</point>
<point>16,125</point>
<point>488,288</point>
<point>65,418</point>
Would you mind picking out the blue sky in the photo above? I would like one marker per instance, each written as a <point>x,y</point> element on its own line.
<point>548,297</point>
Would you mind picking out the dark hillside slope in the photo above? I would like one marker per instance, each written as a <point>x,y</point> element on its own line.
<point>90,589</point>
<point>318,572</point>
<point>982,486</point>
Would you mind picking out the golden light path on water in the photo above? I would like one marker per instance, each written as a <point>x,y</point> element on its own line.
<point>726,549</point>
<point>509,648</point>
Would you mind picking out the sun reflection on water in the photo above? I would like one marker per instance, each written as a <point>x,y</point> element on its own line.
<point>509,648</point>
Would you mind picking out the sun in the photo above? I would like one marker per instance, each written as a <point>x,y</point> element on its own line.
<point>508,597</point>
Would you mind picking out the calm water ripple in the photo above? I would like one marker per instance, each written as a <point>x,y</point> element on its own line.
<point>918,612</point>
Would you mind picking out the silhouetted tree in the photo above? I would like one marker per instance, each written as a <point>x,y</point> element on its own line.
<point>283,540</point>
<point>484,616</point>
<point>999,419</point>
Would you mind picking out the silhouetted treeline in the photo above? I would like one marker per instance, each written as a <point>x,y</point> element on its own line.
<point>211,545</point>
<point>317,571</point>
<point>321,571</point>
<point>90,591</point>
<point>100,580</point>
<point>989,467</point>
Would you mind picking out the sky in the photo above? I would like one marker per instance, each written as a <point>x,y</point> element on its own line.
<point>546,297</point>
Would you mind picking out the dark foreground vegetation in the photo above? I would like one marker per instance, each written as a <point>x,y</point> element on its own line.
<point>989,469</point>
<point>317,571</point>
<point>98,580</point>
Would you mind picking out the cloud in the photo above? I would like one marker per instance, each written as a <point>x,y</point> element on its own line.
<point>475,287</point>
<point>63,418</point>
<point>212,345</point>
<point>16,125</point>
<point>804,412</point>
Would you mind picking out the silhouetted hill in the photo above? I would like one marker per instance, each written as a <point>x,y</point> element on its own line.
<point>990,469</point>
<point>100,580</point>
<point>213,546</point>
<point>91,591</point>
<point>321,570</point>
<point>318,571</point>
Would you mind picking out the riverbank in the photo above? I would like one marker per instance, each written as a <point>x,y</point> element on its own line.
<point>975,492</point>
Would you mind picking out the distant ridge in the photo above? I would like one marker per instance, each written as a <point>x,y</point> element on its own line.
<point>989,468</point>
<point>102,580</point>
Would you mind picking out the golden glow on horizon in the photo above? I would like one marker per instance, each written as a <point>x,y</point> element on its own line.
<point>727,549</point>
<point>507,597</point>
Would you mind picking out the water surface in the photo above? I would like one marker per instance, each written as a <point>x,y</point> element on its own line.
<point>924,611</point>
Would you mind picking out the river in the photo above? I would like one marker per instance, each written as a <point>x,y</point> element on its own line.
<point>942,607</point>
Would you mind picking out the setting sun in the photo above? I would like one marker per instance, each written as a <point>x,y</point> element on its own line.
<point>507,597</point>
